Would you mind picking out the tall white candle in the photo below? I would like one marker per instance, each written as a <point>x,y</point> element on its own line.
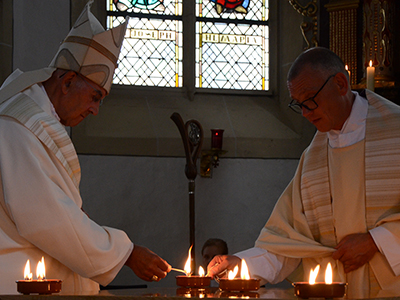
<point>347,69</point>
<point>370,77</point>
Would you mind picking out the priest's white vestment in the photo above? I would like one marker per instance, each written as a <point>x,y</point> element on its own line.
<point>322,205</point>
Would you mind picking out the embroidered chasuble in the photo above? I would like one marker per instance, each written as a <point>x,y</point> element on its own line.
<point>336,192</point>
<point>48,130</point>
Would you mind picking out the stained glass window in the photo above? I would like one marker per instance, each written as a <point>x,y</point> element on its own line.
<point>151,54</point>
<point>231,43</point>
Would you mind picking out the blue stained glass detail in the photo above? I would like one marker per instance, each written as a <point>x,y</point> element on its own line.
<point>123,5</point>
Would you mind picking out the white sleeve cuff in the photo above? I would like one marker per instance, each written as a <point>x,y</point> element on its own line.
<point>389,245</point>
<point>105,278</point>
<point>267,266</point>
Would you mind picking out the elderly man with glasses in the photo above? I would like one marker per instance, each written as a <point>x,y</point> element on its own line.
<point>343,204</point>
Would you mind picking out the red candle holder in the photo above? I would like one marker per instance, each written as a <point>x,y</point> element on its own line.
<point>239,285</point>
<point>193,281</point>
<point>319,290</point>
<point>216,138</point>
<point>46,286</point>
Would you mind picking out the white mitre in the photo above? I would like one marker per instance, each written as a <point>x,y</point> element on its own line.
<point>90,50</point>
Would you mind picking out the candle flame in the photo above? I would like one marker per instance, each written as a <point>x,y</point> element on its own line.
<point>328,274</point>
<point>313,275</point>
<point>346,67</point>
<point>41,270</point>
<point>187,268</point>
<point>244,270</point>
<point>370,63</point>
<point>201,271</point>
<point>27,271</point>
<point>232,274</point>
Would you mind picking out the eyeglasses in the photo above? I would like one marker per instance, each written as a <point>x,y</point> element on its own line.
<point>309,103</point>
<point>99,95</point>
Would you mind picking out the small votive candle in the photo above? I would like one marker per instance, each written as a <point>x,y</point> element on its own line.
<point>39,286</point>
<point>244,283</point>
<point>327,289</point>
<point>194,280</point>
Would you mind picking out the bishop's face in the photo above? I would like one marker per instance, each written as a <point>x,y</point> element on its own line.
<point>83,98</point>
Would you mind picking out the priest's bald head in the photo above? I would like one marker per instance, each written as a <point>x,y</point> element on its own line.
<point>319,86</point>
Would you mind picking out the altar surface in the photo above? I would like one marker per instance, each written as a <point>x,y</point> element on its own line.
<point>176,293</point>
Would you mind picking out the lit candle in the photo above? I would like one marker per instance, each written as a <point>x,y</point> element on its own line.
<point>348,71</point>
<point>41,285</point>
<point>244,283</point>
<point>370,77</point>
<point>313,275</point>
<point>244,270</point>
<point>41,270</point>
<point>192,280</point>
<point>328,274</point>
<point>27,271</point>
<point>188,268</point>
<point>232,274</point>
<point>313,289</point>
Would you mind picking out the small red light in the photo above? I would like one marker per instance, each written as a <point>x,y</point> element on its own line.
<point>216,138</point>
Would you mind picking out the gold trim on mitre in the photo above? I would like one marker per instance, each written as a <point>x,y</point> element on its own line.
<point>93,44</point>
<point>90,49</point>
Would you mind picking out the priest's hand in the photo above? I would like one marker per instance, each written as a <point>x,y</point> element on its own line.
<point>355,250</point>
<point>221,263</point>
<point>147,265</point>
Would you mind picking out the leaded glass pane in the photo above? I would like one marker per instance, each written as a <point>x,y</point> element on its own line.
<point>232,44</point>
<point>151,54</point>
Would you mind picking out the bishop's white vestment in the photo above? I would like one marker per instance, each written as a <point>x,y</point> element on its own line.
<point>40,204</point>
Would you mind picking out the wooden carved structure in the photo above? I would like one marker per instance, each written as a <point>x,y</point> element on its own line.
<point>359,31</point>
